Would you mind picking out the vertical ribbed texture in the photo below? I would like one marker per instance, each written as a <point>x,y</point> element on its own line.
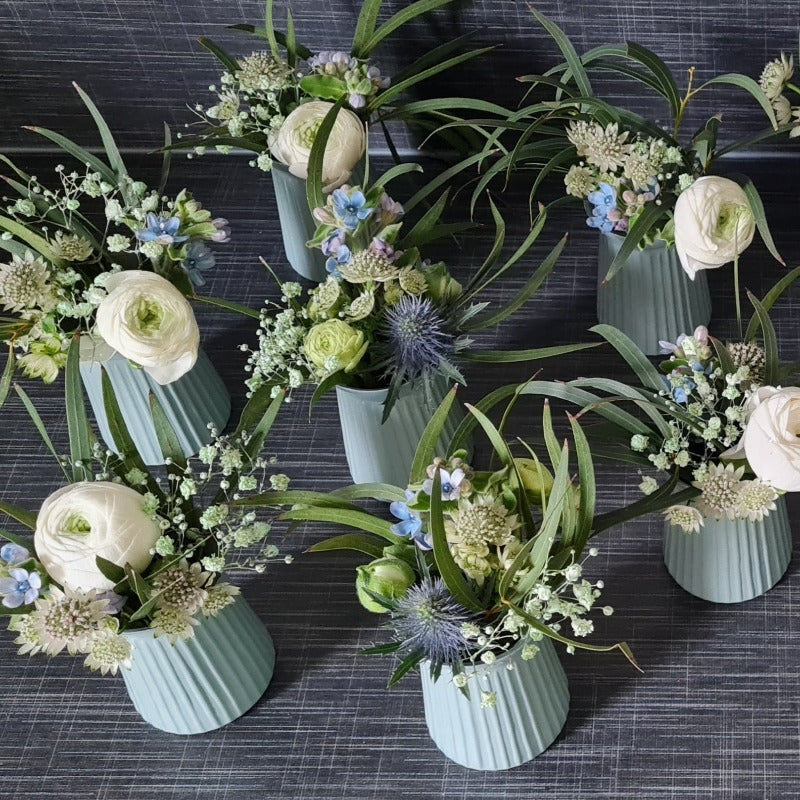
<point>651,297</point>
<point>531,709</point>
<point>297,224</point>
<point>730,561</point>
<point>207,682</point>
<point>383,453</point>
<point>190,403</point>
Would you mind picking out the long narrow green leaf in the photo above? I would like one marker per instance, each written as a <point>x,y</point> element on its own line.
<point>257,418</point>
<point>645,222</point>
<point>8,376</point>
<point>772,360</point>
<point>365,27</point>
<point>227,61</point>
<point>568,51</point>
<point>435,56</point>
<point>441,180</point>
<point>406,665</point>
<point>749,85</point>
<point>635,358</point>
<point>757,208</point>
<point>269,29</point>
<point>229,305</point>
<point>426,449</point>
<point>340,516</point>
<point>426,223</point>
<point>300,50</point>
<point>40,427</point>
<point>450,571</point>
<point>77,152</point>
<point>38,243</point>
<point>513,356</point>
<point>112,152</point>
<point>80,434</point>
<point>396,171</point>
<point>586,482</point>
<point>22,541</point>
<point>316,159</point>
<point>401,18</point>
<point>373,491</point>
<point>660,71</point>
<point>359,542</point>
<point>165,434</point>
<point>26,518</point>
<point>769,300</point>
<point>293,497</point>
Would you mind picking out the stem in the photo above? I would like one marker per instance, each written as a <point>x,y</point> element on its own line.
<point>791,86</point>
<point>736,292</point>
<point>684,103</point>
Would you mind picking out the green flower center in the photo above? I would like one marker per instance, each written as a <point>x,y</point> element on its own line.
<point>149,316</point>
<point>77,525</point>
<point>307,133</point>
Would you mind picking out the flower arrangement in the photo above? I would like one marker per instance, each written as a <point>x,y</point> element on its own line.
<point>118,549</point>
<point>272,101</point>
<point>385,316</point>
<point>630,173</point>
<point>477,562</point>
<point>67,246</point>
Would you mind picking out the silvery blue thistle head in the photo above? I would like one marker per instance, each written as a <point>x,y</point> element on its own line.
<point>416,335</point>
<point>428,620</point>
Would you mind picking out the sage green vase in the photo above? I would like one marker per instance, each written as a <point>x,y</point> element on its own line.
<point>730,561</point>
<point>203,683</point>
<point>190,403</point>
<point>531,703</point>
<point>382,452</point>
<point>651,298</point>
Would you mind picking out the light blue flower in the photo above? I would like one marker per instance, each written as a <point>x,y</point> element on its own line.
<point>451,484</point>
<point>13,553</point>
<point>410,526</point>
<point>337,251</point>
<point>351,208</point>
<point>605,197</point>
<point>605,214</point>
<point>163,230</point>
<point>199,259</point>
<point>20,587</point>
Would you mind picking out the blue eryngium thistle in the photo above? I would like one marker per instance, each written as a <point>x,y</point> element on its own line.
<point>417,339</point>
<point>428,620</point>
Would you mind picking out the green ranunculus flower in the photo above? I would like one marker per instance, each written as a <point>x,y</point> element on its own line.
<point>387,577</point>
<point>335,345</point>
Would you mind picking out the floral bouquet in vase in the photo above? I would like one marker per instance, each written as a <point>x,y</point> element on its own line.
<point>127,572</point>
<point>481,571</point>
<point>104,256</point>
<point>273,101</point>
<point>662,218</point>
<point>387,329</point>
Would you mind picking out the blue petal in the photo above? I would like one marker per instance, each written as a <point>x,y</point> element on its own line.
<point>13,553</point>
<point>358,200</point>
<point>171,225</point>
<point>399,510</point>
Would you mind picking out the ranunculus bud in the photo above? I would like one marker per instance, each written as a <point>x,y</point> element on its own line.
<point>345,146</point>
<point>713,224</point>
<point>387,577</point>
<point>146,319</point>
<point>335,345</point>
<point>536,479</point>
<point>93,518</point>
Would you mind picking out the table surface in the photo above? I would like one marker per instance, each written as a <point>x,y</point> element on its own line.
<point>713,715</point>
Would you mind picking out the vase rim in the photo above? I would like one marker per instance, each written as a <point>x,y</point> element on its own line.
<point>363,392</point>
<point>499,661</point>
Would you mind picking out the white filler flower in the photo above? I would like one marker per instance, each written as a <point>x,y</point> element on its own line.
<point>713,224</point>
<point>345,146</point>
<point>146,319</point>
<point>84,520</point>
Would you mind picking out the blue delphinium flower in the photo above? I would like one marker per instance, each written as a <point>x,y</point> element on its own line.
<point>410,526</point>
<point>605,214</point>
<point>13,553</point>
<point>337,251</point>
<point>163,230</point>
<point>416,334</point>
<point>199,259</point>
<point>428,620</point>
<point>351,208</point>
<point>20,587</point>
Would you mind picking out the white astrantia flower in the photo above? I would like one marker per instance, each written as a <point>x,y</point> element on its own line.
<point>713,224</point>
<point>25,285</point>
<point>147,320</point>
<point>293,142</point>
<point>84,520</point>
<point>687,518</point>
<point>772,439</point>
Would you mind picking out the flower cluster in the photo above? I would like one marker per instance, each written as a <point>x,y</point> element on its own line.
<point>255,100</point>
<point>619,174</point>
<point>711,409</point>
<point>383,314</point>
<point>124,550</point>
<point>59,263</point>
<point>485,535</point>
<point>775,80</point>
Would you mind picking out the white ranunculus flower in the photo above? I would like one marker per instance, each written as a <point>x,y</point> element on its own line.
<point>772,439</point>
<point>89,519</point>
<point>146,319</point>
<point>713,224</point>
<point>292,144</point>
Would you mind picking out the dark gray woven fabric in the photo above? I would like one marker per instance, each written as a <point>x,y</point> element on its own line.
<point>141,62</point>
<point>714,716</point>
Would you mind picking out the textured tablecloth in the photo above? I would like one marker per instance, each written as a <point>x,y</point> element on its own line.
<point>714,716</point>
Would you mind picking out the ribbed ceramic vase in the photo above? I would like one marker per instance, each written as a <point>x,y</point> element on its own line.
<point>730,561</point>
<point>532,702</point>
<point>206,682</point>
<point>383,452</point>
<point>297,224</point>
<point>651,298</point>
<point>190,403</point>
